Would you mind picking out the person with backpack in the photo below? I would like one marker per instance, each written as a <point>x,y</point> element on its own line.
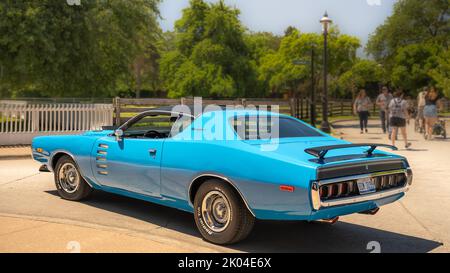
<point>398,113</point>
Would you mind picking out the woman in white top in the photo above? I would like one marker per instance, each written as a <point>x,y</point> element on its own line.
<point>361,108</point>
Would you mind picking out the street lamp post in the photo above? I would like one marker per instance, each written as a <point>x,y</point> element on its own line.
<point>313,91</point>
<point>325,126</point>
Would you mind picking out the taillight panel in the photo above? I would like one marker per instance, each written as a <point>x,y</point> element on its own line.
<point>349,188</point>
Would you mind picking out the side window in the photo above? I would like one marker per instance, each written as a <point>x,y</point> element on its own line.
<point>150,126</point>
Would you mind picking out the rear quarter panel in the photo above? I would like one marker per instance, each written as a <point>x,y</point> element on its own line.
<point>256,175</point>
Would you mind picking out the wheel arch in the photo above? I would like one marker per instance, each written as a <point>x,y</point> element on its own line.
<point>199,180</point>
<point>56,155</point>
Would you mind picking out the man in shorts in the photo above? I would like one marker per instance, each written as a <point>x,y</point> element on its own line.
<point>382,102</point>
<point>420,106</point>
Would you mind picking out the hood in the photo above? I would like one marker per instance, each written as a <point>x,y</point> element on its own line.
<point>99,133</point>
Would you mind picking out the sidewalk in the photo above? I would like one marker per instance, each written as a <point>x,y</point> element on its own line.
<point>15,152</point>
<point>33,218</point>
<point>15,234</point>
<point>429,197</point>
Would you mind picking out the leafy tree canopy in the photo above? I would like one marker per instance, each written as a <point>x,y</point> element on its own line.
<point>412,44</point>
<point>211,58</point>
<point>361,73</point>
<point>412,65</point>
<point>412,22</point>
<point>64,50</point>
<point>290,65</point>
<point>441,73</point>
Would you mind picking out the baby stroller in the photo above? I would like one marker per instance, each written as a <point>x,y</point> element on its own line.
<point>439,129</point>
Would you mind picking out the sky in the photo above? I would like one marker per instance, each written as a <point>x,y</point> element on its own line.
<point>355,17</point>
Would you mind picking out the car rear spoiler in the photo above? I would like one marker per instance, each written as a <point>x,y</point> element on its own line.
<point>320,152</point>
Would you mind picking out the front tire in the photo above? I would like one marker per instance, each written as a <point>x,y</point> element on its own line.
<point>69,182</point>
<point>220,214</point>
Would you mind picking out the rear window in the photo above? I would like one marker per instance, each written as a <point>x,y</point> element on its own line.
<point>267,127</point>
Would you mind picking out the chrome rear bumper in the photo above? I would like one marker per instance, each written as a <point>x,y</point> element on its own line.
<point>318,203</point>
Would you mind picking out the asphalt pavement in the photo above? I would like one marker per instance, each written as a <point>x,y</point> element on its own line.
<point>33,218</point>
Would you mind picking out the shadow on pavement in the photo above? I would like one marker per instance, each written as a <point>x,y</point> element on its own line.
<point>321,238</point>
<point>338,125</point>
<point>271,236</point>
<point>14,157</point>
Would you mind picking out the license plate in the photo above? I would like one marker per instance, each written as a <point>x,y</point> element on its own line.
<point>366,186</point>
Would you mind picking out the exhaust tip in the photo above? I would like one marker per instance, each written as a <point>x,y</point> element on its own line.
<point>330,221</point>
<point>44,169</point>
<point>371,212</point>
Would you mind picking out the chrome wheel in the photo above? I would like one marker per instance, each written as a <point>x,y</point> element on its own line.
<point>69,178</point>
<point>216,211</point>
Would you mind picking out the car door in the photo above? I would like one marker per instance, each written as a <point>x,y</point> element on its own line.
<point>132,163</point>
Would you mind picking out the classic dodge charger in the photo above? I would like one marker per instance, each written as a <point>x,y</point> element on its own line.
<point>225,168</point>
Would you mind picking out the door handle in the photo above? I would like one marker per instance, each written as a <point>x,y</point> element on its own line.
<point>152,152</point>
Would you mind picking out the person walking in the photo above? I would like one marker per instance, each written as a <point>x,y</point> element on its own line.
<point>390,128</point>
<point>430,111</point>
<point>361,108</point>
<point>411,108</point>
<point>420,107</point>
<point>398,113</point>
<point>382,102</point>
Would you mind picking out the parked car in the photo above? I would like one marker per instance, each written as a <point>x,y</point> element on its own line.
<point>302,174</point>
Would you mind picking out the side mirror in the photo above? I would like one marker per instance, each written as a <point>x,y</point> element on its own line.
<point>119,134</point>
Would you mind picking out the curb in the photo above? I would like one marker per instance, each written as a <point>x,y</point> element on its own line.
<point>14,157</point>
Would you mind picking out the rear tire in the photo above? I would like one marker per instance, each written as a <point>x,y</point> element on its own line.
<point>68,180</point>
<point>220,214</point>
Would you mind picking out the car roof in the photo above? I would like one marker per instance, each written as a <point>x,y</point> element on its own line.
<point>228,110</point>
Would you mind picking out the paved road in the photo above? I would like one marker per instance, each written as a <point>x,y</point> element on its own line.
<point>34,218</point>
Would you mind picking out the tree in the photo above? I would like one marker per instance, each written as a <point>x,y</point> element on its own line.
<point>412,22</point>
<point>441,74</point>
<point>211,58</point>
<point>261,43</point>
<point>409,41</point>
<point>85,50</point>
<point>280,70</point>
<point>412,65</point>
<point>290,30</point>
<point>361,73</point>
<point>288,67</point>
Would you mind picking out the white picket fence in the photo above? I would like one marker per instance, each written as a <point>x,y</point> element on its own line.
<point>19,123</point>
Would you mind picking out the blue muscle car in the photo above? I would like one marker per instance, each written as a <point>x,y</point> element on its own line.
<point>222,167</point>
